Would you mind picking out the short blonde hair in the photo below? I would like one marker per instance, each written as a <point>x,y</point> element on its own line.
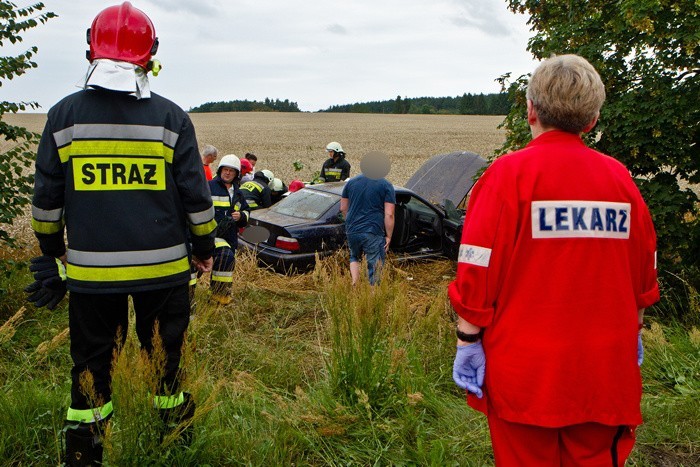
<point>567,92</point>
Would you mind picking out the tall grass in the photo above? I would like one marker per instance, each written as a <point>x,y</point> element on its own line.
<point>308,370</point>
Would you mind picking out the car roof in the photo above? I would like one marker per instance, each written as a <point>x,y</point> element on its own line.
<point>447,176</point>
<point>337,188</point>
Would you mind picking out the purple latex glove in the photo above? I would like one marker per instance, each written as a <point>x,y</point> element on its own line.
<point>469,367</point>
<point>640,349</point>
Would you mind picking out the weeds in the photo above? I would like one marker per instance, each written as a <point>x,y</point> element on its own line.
<point>308,370</point>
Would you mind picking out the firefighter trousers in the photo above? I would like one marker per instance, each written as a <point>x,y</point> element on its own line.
<point>98,325</point>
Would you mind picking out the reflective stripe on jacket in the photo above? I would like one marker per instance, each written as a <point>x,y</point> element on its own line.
<point>124,177</point>
<point>257,193</point>
<point>225,205</point>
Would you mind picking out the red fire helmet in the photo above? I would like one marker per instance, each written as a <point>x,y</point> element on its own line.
<point>122,32</point>
<point>246,167</point>
<point>295,185</point>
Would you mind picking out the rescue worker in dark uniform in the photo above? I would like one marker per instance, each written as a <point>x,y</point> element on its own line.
<point>257,191</point>
<point>119,168</point>
<point>336,168</point>
<point>231,213</point>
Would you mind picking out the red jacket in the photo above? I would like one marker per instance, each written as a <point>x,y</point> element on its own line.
<point>557,256</point>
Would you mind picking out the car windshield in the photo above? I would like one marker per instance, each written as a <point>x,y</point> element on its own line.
<point>306,204</point>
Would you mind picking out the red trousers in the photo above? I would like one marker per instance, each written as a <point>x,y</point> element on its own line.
<point>587,444</point>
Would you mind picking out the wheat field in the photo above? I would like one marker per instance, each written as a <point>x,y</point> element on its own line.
<point>279,139</point>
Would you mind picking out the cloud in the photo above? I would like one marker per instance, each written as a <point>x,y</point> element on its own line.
<point>482,16</point>
<point>337,29</point>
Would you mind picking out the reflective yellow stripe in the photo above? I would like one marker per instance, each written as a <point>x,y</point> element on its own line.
<point>221,276</point>
<point>203,229</point>
<point>251,186</point>
<point>127,273</point>
<point>116,148</point>
<point>118,173</point>
<point>222,204</point>
<point>168,402</point>
<point>221,243</point>
<point>90,415</point>
<point>252,204</point>
<point>47,227</point>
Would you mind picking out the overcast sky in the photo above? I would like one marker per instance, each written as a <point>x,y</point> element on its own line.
<point>316,53</point>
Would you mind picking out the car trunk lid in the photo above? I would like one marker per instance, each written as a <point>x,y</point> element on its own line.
<point>447,177</point>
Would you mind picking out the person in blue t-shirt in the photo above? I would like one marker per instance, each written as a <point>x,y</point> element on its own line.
<point>367,202</point>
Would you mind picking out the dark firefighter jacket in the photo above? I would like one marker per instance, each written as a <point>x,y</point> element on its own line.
<point>335,171</point>
<point>257,193</point>
<point>224,205</point>
<point>124,177</point>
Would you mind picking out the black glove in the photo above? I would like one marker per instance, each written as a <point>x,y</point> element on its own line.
<point>224,226</point>
<point>49,286</point>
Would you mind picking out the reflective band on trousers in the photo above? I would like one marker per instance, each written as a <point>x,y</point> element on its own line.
<point>221,243</point>
<point>168,402</point>
<point>222,276</point>
<point>90,415</point>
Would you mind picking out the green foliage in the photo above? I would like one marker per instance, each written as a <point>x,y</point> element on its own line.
<point>248,106</point>
<point>298,166</point>
<point>467,104</point>
<point>647,53</point>
<point>17,183</point>
<point>308,370</point>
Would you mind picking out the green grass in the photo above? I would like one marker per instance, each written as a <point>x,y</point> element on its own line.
<point>309,371</point>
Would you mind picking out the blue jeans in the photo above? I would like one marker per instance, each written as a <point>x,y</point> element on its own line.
<point>373,248</point>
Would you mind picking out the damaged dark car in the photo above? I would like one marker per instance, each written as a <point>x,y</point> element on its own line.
<point>428,219</point>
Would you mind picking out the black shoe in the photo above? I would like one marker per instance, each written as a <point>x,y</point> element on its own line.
<point>175,417</point>
<point>83,443</point>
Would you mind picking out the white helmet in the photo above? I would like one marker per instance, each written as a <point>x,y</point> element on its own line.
<point>334,146</point>
<point>268,175</point>
<point>229,160</point>
<point>276,185</point>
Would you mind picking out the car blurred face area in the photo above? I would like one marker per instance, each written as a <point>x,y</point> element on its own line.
<point>306,204</point>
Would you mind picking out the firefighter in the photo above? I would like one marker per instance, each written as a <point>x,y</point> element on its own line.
<point>277,190</point>
<point>231,213</point>
<point>118,168</point>
<point>246,171</point>
<point>336,168</point>
<point>257,192</point>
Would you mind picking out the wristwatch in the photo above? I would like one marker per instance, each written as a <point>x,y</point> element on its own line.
<point>463,336</point>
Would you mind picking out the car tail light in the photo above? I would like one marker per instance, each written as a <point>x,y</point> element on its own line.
<point>286,243</point>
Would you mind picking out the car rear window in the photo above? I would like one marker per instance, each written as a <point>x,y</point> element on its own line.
<point>306,204</point>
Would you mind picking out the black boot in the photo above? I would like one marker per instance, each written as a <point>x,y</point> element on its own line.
<point>176,416</point>
<point>83,443</point>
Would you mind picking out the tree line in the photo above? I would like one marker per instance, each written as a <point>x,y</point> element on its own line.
<point>268,105</point>
<point>466,104</point>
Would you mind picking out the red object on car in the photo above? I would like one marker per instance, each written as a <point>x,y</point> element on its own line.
<point>296,185</point>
